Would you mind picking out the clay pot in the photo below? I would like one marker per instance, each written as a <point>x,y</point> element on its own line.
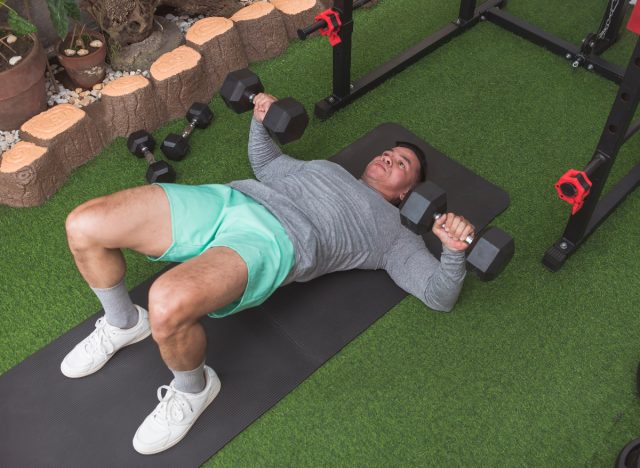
<point>22,90</point>
<point>87,70</point>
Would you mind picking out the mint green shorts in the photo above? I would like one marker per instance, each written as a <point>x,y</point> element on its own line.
<point>204,216</point>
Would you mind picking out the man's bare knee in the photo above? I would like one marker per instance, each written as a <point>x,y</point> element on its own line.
<point>83,223</point>
<point>170,310</point>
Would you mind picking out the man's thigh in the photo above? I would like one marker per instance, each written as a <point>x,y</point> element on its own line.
<point>203,284</point>
<point>138,218</point>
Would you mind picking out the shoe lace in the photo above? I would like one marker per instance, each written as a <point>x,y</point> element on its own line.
<point>98,341</point>
<point>172,407</point>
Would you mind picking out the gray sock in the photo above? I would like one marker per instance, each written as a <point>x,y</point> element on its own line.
<point>118,308</point>
<point>192,381</point>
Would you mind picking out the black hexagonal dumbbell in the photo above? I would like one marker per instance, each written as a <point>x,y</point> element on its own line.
<point>490,251</point>
<point>141,144</point>
<point>176,147</point>
<point>286,119</point>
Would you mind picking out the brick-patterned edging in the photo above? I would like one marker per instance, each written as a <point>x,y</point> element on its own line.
<point>35,169</point>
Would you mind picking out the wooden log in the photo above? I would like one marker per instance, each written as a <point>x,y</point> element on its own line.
<point>262,31</point>
<point>29,175</point>
<point>297,14</point>
<point>178,80</point>
<point>67,132</point>
<point>128,104</point>
<point>217,40</point>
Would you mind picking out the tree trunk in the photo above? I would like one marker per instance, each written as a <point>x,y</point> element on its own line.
<point>124,21</point>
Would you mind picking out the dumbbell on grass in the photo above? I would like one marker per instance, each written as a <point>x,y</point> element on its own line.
<point>490,251</point>
<point>141,144</point>
<point>286,119</point>
<point>176,147</point>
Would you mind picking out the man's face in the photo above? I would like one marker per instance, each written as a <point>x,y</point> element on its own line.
<point>393,173</point>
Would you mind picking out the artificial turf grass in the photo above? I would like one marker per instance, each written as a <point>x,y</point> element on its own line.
<point>533,369</point>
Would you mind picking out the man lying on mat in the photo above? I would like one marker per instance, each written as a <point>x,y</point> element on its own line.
<point>237,244</point>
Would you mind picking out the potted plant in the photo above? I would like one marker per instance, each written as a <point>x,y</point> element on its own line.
<point>81,51</point>
<point>22,65</point>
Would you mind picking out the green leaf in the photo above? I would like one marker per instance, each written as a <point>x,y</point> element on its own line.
<point>59,17</point>
<point>71,7</point>
<point>19,25</point>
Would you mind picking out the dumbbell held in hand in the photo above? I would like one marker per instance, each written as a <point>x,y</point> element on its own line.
<point>141,144</point>
<point>425,205</point>
<point>286,119</point>
<point>176,147</point>
<point>490,251</point>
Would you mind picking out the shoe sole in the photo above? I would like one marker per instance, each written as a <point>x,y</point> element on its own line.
<point>96,369</point>
<point>153,452</point>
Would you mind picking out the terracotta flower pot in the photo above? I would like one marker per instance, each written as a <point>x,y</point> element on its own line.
<point>87,70</point>
<point>22,90</point>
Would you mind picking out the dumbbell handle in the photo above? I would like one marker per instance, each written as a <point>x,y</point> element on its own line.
<point>468,240</point>
<point>189,128</point>
<point>148,155</point>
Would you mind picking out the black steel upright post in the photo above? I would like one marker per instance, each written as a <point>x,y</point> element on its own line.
<point>607,34</point>
<point>467,10</point>
<point>615,133</point>
<point>341,60</point>
<point>342,51</point>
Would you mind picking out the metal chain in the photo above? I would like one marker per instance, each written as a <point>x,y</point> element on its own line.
<point>614,5</point>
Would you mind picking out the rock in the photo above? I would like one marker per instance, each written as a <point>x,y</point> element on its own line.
<point>141,55</point>
<point>96,43</point>
<point>11,39</point>
<point>69,52</point>
<point>15,59</point>
<point>83,52</point>
<point>98,86</point>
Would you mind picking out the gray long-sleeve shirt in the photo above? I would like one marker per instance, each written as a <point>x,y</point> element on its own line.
<point>337,222</point>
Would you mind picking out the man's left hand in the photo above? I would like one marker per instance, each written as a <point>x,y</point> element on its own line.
<point>452,230</point>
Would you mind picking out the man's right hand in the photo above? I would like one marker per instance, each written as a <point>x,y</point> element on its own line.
<point>452,230</point>
<point>261,104</point>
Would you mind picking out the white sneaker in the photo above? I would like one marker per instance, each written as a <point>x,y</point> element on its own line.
<point>96,349</point>
<point>175,414</point>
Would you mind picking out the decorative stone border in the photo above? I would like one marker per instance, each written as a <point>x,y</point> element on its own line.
<point>64,137</point>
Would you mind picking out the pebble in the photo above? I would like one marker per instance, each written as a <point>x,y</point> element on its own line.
<point>15,59</point>
<point>8,139</point>
<point>11,39</point>
<point>83,52</point>
<point>69,52</point>
<point>96,43</point>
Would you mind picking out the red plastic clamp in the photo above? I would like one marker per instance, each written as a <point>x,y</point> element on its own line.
<point>634,21</point>
<point>334,23</point>
<point>573,187</point>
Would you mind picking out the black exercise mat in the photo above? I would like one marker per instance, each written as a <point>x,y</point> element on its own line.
<point>260,354</point>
